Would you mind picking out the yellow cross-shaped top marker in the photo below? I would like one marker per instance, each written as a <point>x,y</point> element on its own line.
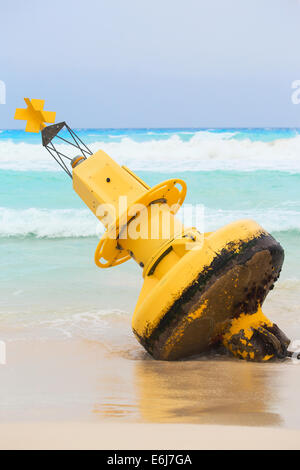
<point>34,115</point>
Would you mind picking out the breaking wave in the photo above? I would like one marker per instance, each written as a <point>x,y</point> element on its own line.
<point>203,151</point>
<point>75,223</point>
<point>47,223</point>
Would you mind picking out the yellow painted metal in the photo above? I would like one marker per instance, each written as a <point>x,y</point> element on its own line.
<point>100,181</point>
<point>35,115</point>
<point>117,196</point>
<point>248,324</point>
<point>169,282</point>
<point>136,177</point>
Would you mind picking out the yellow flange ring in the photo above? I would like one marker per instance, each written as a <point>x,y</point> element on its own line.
<point>112,262</point>
<point>108,245</point>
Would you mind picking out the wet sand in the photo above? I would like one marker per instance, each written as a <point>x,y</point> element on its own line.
<point>79,394</point>
<point>80,380</point>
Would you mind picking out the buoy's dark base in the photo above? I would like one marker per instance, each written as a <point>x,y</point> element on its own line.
<point>236,282</point>
<point>266,343</point>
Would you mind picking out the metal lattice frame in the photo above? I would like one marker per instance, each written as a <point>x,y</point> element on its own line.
<point>51,132</point>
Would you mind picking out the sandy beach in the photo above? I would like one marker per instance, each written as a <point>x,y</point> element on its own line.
<point>83,394</point>
<point>90,436</point>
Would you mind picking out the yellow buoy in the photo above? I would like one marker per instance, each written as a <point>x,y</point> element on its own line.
<point>199,289</point>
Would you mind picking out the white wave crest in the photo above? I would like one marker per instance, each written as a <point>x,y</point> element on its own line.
<point>74,223</point>
<point>204,151</point>
<point>273,220</point>
<point>46,223</point>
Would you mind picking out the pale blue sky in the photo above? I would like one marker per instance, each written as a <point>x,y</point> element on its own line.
<point>166,63</point>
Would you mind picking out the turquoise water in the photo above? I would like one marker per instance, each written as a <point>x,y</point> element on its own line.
<point>142,135</point>
<point>48,237</point>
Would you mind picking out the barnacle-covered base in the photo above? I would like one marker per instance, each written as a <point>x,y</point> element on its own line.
<point>214,296</point>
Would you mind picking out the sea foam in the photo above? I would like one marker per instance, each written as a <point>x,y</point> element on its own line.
<point>203,151</point>
<point>76,223</point>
